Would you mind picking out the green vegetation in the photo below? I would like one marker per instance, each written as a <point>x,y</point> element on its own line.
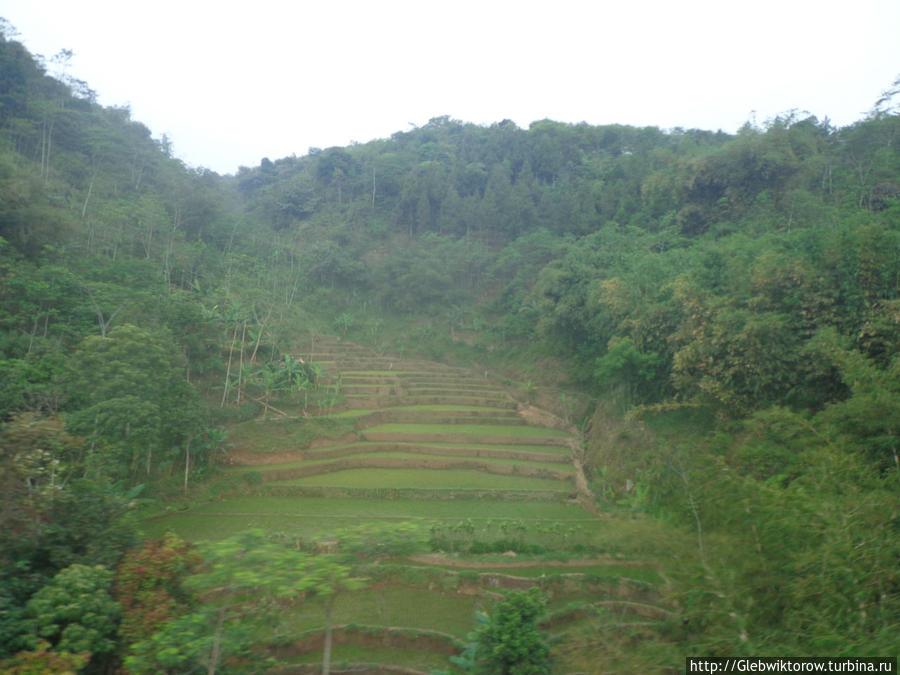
<point>246,579</point>
<point>706,325</point>
<point>411,456</point>
<point>286,434</point>
<point>588,571</point>
<point>90,630</point>
<point>508,641</point>
<point>344,655</point>
<point>483,429</point>
<point>415,478</point>
<point>398,606</point>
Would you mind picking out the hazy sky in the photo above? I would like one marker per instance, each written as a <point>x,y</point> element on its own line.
<point>232,83</point>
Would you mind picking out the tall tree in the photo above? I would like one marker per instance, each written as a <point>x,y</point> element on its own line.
<point>134,400</point>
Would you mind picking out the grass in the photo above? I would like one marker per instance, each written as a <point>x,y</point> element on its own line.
<point>307,517</point>
<point>410,658</point>
<point>547,449</point>
<point>496,460</point>
<point>452,408</point>
<point>203,527</point>
<point>394,606</point>
<point>349,413</point>
<point>351,373</point>
<point>462,429</point>
<point>413,456</point>
<point>475,388</point>
<point>396,508</point>
<point>426,479</point>
<point>216,526</point>
<point>275,435</point>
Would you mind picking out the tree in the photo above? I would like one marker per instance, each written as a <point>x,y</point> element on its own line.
<point>75,612</point>
<point>244,581</point>
<point>41,660</point>
<point>48,518</point>
<point>624,364</point>
<point>330,578</point>
<point>135,401</point>
<point>148,586</point>
<point>37,459</point>
<point>869,419</point>
<point>272,377</point>
<point>88,523</point>
<point>508,642</point>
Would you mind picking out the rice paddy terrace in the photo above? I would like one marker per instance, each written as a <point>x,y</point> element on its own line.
<point>456,490</point>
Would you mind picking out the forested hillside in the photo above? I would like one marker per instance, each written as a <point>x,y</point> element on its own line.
<point>728,306</point>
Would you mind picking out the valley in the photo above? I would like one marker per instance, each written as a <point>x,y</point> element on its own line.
<point>565,399</point>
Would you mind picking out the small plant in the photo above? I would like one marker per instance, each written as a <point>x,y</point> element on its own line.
<point>344,323</point>
<point>568,407</point>
<point>638,499</point>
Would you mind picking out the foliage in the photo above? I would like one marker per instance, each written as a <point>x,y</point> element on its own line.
<point>194,643</point>
<point>624,363</point>
<point>791,531</point>
<point>38,459</point>
<point>88,522</point>
<point>265,381</point>
<point>869,419</point>
<point>134,399</point>
<point>48,519</point>
<point>148,586</point>
<point>41,660</point>
<point>75,612</point>
<point>380,540</point>
<point>243,580</point>
<point>508,640</point>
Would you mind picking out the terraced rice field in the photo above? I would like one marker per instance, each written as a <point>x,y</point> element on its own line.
<point>457,457</point>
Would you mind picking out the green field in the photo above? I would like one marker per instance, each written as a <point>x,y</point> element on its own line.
<point>262,436</point>
<point>395,508</point>
<point>398,606</point>
<point>411,456</point>
<point>464,429</point>
<point>424,478</point>
<point>344,655</point>
<point>196,527</point>
<point>307,517</point>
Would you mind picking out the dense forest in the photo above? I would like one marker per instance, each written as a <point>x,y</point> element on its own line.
<point>726,308</point>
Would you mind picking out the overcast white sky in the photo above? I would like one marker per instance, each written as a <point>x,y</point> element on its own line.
<point>231,83</point>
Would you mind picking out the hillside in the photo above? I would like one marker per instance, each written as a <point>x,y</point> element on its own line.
<point>445,490</point>
<point>601,348</point>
